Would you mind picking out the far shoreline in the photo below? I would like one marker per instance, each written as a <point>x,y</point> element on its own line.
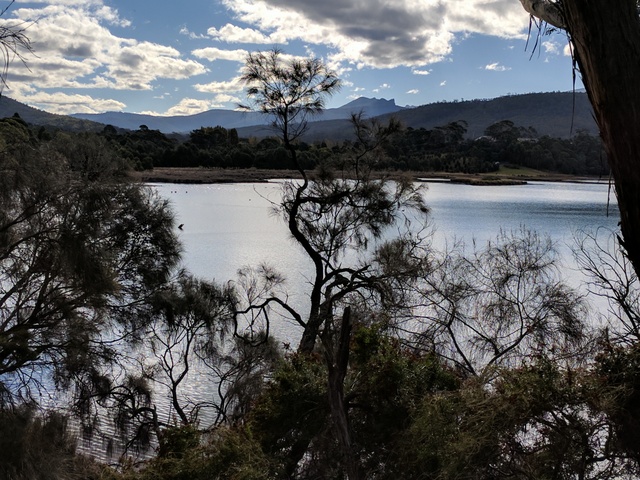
<point>199,175</point>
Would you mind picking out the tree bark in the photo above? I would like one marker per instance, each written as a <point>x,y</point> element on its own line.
<point>339,410</point>
<point>605,36</point>
<point>606,40</point>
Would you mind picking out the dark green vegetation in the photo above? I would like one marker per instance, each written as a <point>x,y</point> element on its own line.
<point>476,363</point>
<point>442,149</point>
<point>466,137</point>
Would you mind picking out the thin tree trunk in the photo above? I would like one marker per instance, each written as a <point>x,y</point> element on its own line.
<point>337,373</point>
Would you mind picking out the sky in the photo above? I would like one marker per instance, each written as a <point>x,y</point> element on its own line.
<point>184,57</point>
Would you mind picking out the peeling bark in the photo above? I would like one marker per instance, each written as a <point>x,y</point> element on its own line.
<point>545,10</point>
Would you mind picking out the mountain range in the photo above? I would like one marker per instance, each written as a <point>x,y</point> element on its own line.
<point>557,114</point>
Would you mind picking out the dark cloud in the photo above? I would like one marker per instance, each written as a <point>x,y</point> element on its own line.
<point>390,33</point>
<point>130,59</point>
<point>373,20</point>
<point>82,51</point>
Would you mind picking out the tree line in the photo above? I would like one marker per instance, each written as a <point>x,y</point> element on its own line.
<point>442,149</point>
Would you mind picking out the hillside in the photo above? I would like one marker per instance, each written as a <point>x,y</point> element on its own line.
<point>557,114</point>
<point>9,107</point>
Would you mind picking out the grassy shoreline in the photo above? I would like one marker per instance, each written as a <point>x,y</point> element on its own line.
<point>505,176</point>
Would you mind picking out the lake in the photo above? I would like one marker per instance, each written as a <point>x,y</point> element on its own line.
<point>229,226</point>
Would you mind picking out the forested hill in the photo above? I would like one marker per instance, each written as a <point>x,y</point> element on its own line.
<point>34,116</point>
<point>556,114</point>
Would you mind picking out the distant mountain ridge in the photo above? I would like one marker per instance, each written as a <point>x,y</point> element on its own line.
<point>372,107</point>
<point>557,114</point>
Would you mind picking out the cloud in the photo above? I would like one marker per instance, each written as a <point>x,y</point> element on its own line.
<point>551,47</point>
<point>232,86</point>
<point>192,35</point>
<point>75,48</point>
<point>63,103</point>
<point>81,45</point>
<point>211,54</point>
<point>413,91</point>
<point>234,34</point>
<point>496,67</point>
<point>382,33</point>
<point>443,83</point>
<point>193,106</point>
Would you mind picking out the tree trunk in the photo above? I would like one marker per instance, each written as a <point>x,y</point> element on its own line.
<point>337,371</point>
<point>606,39</point>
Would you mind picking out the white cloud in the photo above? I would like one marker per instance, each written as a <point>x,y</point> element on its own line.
<point>192,35</point>
<point>212,54</point>
<point>189,106</point>
<point>413,91</point>
<point>232,86</point>
<point>496,67</point>
<point>75,49</point>
<point>78,47</point>
<point>193,106</point>
<point>234,34</point>
<point>63,103</point>
<point>384,86</point>
<point>551,47</point>
<point>443,83</point>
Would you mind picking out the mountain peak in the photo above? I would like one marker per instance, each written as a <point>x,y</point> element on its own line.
<point>372,102</point>
<point>370,107</point>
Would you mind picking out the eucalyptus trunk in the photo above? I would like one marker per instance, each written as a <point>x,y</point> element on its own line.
<point>606,40</point>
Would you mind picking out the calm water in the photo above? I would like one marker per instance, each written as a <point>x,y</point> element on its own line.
<point>230,226</point>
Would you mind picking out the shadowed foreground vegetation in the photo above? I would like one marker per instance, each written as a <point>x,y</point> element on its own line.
<point>477,362</point>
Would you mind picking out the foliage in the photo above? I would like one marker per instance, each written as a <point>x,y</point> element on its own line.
<point>500,305</point>
<point>411,363</point>
<point>289,90</point>
<point>40,447</point>
<point>441,149</point>
<point>227,454</point>
<point>14,44</point>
